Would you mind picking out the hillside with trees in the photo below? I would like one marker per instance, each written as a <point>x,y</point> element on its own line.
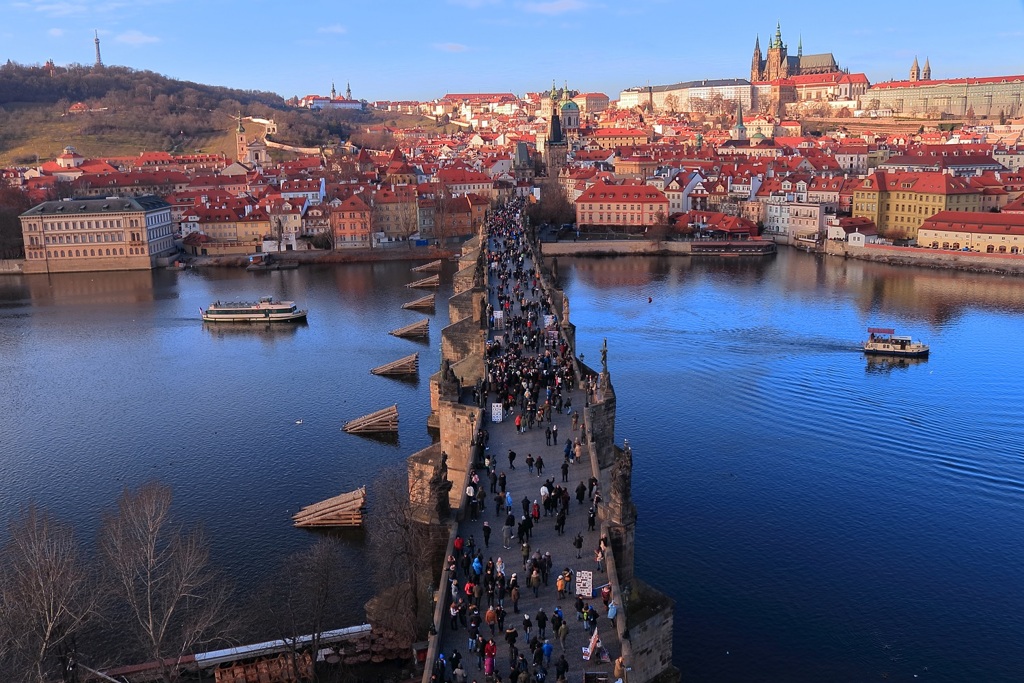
<point>130,111</point>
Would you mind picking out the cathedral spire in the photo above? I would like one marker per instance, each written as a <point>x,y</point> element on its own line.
<point>778,34</point>
<point>926,73</point>
<point>915,70</point>
<point>800,46</point>
<point>348,90</point>
<point>334,93</point>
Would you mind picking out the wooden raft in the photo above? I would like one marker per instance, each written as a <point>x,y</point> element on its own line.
<point>381,421</point>
<point>344,510</point>
<point>409,365</point>
<point>427,282</point>
<point>422,304</point>
<point>432,267</point>
<point>417,330</point>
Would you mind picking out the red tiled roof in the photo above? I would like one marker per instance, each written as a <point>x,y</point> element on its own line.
<point>977,222</point>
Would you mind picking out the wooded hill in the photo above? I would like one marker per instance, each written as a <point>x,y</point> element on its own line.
<point>133,111</point>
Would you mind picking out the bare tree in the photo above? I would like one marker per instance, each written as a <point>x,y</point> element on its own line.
<point>172,598</point>
<point>404,558</point>
<point>305,596</point>
<point>47,593</point>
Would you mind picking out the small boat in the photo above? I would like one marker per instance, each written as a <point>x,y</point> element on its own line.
<point>265,310</point>
<point>882,341</point>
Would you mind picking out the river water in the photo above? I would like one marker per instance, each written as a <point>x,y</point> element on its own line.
<point>814,516</point>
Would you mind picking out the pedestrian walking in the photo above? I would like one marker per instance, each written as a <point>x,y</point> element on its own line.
<point>487,535</point>
<point>554,435</point>
<point>547,436</point>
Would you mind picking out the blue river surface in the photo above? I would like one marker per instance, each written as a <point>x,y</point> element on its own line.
<point>815,516</point>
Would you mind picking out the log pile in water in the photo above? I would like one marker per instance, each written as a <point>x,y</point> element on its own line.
<point>409,365</point>
<point>417,330</point>
<point>379,422</point>
<point>432,267</point>
<point>426,283</point>
<point>422,304</point>
<point>344,510</point>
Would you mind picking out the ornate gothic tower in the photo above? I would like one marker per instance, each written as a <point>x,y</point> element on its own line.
<point>756,61</point>
<point>556,148</point>
<point>915,71</point>
<point>96,40</point>
<point>348,91</point>
<point>778,63</point>
<point>926,74</point>
<point>334,93</point>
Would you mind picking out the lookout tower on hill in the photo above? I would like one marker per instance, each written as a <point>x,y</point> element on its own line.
<point>96,40</point>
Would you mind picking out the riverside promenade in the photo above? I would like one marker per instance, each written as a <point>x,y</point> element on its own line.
<point>523,486</point>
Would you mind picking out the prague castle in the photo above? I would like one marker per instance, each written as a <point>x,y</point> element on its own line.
<point>779,64</point>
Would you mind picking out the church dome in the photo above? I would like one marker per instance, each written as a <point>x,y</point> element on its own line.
<point>757,136</point>
<point>570,106</point>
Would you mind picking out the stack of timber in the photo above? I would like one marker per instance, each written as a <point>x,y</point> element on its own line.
<point>422,304</point>
<point>417,330</point>
<point>344,510</point>
<point>432,267</point>
<point>426,283</point>
<point>409,365</point>
<point>278,669</point>
<point>379,422</point>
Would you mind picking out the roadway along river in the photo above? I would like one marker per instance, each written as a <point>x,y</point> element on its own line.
<point>816,517</point>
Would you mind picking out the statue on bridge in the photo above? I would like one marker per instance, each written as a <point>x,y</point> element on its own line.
<point>439,488</point>
<point>604,356</point>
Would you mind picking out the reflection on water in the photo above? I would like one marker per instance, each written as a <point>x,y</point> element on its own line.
<point>883,365</point>
<point>268,332</point>
<point>93,289</point>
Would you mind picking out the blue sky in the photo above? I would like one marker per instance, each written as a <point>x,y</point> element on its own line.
<point>420,49</point>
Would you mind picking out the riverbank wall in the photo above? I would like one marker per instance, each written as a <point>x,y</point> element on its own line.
<point>1000,264</point>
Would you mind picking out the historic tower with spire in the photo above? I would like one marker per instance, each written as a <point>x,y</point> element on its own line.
<point>915,71</point>
<point>556,147</point>
<point>96,40</point>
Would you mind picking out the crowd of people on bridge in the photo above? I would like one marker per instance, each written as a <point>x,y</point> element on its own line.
<point>530,371</point>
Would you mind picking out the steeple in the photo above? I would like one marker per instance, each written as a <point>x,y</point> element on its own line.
<point>755,61</point>
<point>778,34</point>
<point>800,47</point>
<point>348,91</point>
<point>239,129</point>
<point>915,70</point>
<point>554,91</point>
<point>926,73</point>
<point>565,91</point>
<point>96,40</point>
<point>739,131</point>
<point>334,93</point>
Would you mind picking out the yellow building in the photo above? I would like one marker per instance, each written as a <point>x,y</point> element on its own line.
<point>900,202</point>
<point>988,233</point>
<point>113,233</point>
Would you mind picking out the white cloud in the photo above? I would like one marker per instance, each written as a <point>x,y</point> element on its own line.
<point>136,38</point>
<point>450,47</point>
<point>555,6</point>
<point>53,9</point>
<point>337,29</point>
<point>55,32</point>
